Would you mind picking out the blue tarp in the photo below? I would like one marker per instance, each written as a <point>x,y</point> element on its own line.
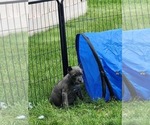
<point>115,50</point>
<point>136,63</point>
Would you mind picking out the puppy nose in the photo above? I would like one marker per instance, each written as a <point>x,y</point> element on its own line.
<point>81,80</point>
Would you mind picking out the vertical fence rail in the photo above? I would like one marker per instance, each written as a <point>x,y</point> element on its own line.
<point>63,36</point>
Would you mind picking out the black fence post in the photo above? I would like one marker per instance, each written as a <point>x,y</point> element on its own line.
<point>62,36</point>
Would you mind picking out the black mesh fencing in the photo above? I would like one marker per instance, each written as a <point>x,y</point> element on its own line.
<point>45,62</point>
<point>35,58</point>
<point>135,14</point>
<point>13,52</point>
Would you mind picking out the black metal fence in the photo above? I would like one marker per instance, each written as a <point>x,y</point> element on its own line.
<point>13,52</point>
<point>38,60</point>
<point>135,14</point>
<point>48,56</point>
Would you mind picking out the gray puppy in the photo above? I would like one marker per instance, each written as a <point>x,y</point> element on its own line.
<point>68,89</point>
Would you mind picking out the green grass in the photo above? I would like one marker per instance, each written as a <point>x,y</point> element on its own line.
<point>14,77</point>
<point>8,116</point>
<point>14,67</point>
<point>136,113</point>
<point>135,14</point>
<point>94,113</point>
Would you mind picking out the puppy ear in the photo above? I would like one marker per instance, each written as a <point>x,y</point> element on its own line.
<point>69,69</point>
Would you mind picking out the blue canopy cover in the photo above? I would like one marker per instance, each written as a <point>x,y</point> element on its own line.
<point>107,57</point>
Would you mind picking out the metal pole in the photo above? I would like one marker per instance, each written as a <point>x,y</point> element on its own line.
<point>62,36</point>
<point>13,1</point>
<point>38,1</point>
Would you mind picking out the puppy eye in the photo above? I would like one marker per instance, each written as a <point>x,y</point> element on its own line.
<point>74,75</point>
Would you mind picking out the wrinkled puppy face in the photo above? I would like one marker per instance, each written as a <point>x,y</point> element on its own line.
<point>76,74</point>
